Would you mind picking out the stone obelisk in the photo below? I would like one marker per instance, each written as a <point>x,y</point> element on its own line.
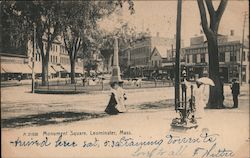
<point>116,74</point>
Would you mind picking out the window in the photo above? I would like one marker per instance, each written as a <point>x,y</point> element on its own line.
<point>248,56</point>
<point>188,59</point>
<point>56,59</point>
<point>232,56</point>
<point>243,56</point>
<point>222,57</point>
<point>194,58</point>
<point>203,60</point>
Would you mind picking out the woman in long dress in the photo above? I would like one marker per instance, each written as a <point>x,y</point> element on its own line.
<point>116,103</point>
<point>200,99</point>
<point>121,98</point>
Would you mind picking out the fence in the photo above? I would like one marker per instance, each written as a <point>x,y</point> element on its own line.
<point>80,86</point>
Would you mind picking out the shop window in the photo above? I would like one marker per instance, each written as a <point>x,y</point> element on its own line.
<point>203,58</point>
<point>194,58</point>
<point>222,57</point>
<point>232,56</point>
<point>243,56</point>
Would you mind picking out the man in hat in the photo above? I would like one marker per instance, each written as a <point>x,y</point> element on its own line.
<point>235,87</point>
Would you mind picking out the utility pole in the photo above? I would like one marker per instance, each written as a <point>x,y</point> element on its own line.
<point>242,47</point>
<point>177,56</point>
<point>33,55</point>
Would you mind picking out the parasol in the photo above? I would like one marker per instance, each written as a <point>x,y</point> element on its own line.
<point>206,81</point>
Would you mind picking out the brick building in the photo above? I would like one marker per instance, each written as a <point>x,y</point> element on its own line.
<point>230,50</point>
<point>147,54</point>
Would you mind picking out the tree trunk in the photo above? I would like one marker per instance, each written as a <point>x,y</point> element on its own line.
<point>45,72</point>
<point>216,97</point>
<point>72,73</point>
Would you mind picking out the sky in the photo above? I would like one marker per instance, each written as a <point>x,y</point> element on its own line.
<point>160,16</point>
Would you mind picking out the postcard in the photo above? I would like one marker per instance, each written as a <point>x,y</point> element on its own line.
<point>125,79</point>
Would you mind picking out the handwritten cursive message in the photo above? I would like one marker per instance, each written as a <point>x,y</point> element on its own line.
<point>203,145</point>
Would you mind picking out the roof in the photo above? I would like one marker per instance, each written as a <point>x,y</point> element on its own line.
<point>162,50</point>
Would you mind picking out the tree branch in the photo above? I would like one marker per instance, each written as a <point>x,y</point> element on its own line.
<point>212,13</point>
<point>77,46</point>
<point>220,12</point>
<point>210,7</point>
<point>67,47</point>
<point>203,16</point>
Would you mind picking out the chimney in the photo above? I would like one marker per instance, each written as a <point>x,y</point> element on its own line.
<point>231,32</point>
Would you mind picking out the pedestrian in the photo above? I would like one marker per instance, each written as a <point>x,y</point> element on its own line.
<point>118,96</point>
<point>19,78</point>
<point>121,98</point>
<point>113,101</point>
<point>83,81</point>
<point>199,91</point>
<point>235,87</point>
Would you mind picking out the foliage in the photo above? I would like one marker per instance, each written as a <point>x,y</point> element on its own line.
<point>76,20</point>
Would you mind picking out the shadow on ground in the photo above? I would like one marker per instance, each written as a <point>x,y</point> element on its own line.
<point>49,118</point>
<point>155,105</point>
<point>66,117</point>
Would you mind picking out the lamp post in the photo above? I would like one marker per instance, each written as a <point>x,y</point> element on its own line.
<point>242,48</point>
<point>177,56</point>
<point>33,55</point>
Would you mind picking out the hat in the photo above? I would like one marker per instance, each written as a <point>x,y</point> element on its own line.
<point>116,77</point>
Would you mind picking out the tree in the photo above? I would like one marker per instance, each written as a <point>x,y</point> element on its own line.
<point>44,15</point>
<point>80,25</point>
<point>48,17</point>
<point>211,31</point>
<point>126,36</point>
<point>15,38</point>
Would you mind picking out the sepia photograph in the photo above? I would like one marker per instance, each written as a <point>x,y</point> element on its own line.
<point>124,79</point>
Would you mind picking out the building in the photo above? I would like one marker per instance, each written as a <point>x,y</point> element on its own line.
<point>230,50</point>
<point>17,53</point>
<point>14,65</point>
<point>13,52</point>
<point>147,54</point>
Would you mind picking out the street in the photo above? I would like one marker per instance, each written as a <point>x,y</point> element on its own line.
<point>150,112</point>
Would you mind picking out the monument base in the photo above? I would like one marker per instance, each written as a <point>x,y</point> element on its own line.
<point>178,124</point>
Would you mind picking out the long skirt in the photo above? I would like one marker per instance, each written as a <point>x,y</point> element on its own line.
<point>111,107</point>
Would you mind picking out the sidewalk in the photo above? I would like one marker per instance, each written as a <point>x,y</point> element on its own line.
<point>139,125</point>
<point>228,130</point>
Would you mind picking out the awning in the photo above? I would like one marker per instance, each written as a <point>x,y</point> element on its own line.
<point>16,68</point>
<point>38,69</point>
<point>66,68</point>
<point>57,68</point>
<point>2,71</point>
<point>51,70</point>
<point>79,70</point>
